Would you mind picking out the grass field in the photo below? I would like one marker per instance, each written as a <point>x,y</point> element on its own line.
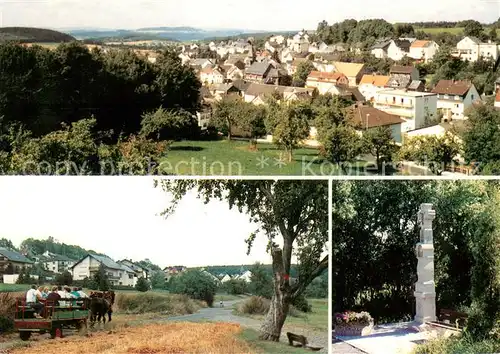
<point>235,158</point>
<point>155,338</point>
<point>453,30</point>
<point>316,320</point>
<point>252,338</point>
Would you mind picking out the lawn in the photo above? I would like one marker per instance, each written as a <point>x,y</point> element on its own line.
<point>316,320</point>
<point>251,337</point>
<point>232,158</point>
<point>452,30</point>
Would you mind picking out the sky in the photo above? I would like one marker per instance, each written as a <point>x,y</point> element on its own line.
<point>119,216</point>
<point>256,14</point>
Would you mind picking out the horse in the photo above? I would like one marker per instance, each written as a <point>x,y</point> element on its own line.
<point>100,305</point>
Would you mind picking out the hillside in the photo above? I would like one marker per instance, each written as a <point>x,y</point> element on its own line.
<point>33,35</point>
<point>36,247</point>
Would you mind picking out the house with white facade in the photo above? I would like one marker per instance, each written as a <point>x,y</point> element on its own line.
<point>326,82</point>
<point>118,274</point>
<point>245,276</point>
<point>353,71</point>
<point>454,97</point>
<point>471,49</point>
<point>379,49</point>
<point>211,76</point>
<point>12,262</point>
<point>398,48</point>
<point>225,278</point>
<point>139,270</point>
<point>57,263</point>
<point>415,108</point>
<point>423,50</point>
<point>371,84</point>
<point>366,118</point>
<point>299,43</point>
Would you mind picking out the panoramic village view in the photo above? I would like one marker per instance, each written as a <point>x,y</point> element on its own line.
<point>350,97</point>
<point>242,281</point>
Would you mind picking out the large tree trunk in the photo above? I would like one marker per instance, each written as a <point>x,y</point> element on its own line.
<point>280,303</point>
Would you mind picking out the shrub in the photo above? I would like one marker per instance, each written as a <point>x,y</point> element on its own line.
<point>159,303</point>
<point>255,305</point>
<point>353,317</point>
<point>196,284</point>
<point>64,279</point>
<point>301,304</point>
<point>236,287</point>
<point>454,345</point>
<point>7,308</point>
<point>142,285</point>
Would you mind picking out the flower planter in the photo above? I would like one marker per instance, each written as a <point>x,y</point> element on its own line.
<point>353,329</point>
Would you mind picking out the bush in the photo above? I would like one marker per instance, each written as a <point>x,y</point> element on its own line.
<point>142,285</point>
<point>236,287</point>
<point>156,303</point>
<point>255,305</point>
<point>301,304</point>
<point>196,284</point>
<point>454,345</point>
<point>7,308</point>
<point>258,305</point>
<point>64,279</point>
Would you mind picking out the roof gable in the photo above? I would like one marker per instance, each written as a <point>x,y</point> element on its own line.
<point>376,80</point>
<point>452,87</point>
<point>370,117</point>
<point>14,256</point>
<point>348,69</point>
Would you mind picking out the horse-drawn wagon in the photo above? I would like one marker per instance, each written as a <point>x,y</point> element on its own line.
<point>53,317</point>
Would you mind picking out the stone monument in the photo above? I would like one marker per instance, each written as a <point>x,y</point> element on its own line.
<point>425,292</point>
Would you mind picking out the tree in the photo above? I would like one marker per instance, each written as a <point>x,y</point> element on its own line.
<point>6,243</point>
<point>303,70</point>
<point>157,280</point>
<point>142,285</point>
<point>340,141</point>
<point>261,282</point>
<point>169,125</point>
<point>294,211</point>
<point>101,279</point>
<point>252,121</point>
<point>65,278</point>
<point>195,284</point>
<point>473,28</point>
<point>225,114</point>
<point>436,152</point>
<point>493,34</point>
<point>404,30</point>
<point>379,143</point>
<point>482,138</point>
<point>24,276</point>
<point>291,126</point>
<point>236,286</point>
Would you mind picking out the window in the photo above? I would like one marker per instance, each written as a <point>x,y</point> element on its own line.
<point>457,105</point>
<point>472,96</point>
<point>131,276</point>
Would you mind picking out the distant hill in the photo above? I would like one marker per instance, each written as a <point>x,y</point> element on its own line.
<point>181,34</point>
<point>33,35</point>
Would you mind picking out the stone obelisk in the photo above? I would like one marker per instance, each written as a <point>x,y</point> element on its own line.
<point>425,291</point>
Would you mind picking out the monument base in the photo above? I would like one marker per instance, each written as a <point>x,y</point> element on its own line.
<point>426,307</point>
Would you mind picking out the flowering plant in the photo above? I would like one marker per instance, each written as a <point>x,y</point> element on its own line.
<point>363,318</point>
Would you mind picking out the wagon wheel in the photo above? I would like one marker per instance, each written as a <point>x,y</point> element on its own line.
<point>81,326</point>
<point>24,335</point>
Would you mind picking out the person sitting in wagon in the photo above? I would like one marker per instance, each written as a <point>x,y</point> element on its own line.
<point>53,299</point>
<point>33,297</point>
<point>62,294</point>
<point>82,294</point>
<point>75,293</point>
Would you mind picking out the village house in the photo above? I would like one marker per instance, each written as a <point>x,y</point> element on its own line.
<point>12,262</point>
<point>57,263</point>
<point>257,93</point>
<point>402,76</point>
<point>201,63</point>
<point>278,39</point>
<point>245,276</point>
<point>371,84</point>
<point>326,82</point>
<point>173,271</point>
<point>423,50</point>
<point>139,270</point>
<point>258,72</point>
<point>292,67</point>
<point>211,76</point>
<point>353,71</point>
<point>398,49</point>
<point>184,58</point>
<point>366,117</point>
<point>471,49</point>
<point>454,97</point>
<point>497,90</point>
<point>299,43</point>
<point>379,49</point>
<point>222,90</point>
<point>416,85</point>
<point>117,274</point>
<point>225,278</point>
<point>416,108</point>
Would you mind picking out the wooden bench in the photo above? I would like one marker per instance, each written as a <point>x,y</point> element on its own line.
<point>453,317</point>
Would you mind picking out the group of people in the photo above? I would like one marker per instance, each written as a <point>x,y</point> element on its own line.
<point>60,296</point>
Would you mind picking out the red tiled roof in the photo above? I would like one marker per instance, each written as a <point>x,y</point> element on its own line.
<point>319,75</point>
<point>370,117</point>
<point>452,87</point>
